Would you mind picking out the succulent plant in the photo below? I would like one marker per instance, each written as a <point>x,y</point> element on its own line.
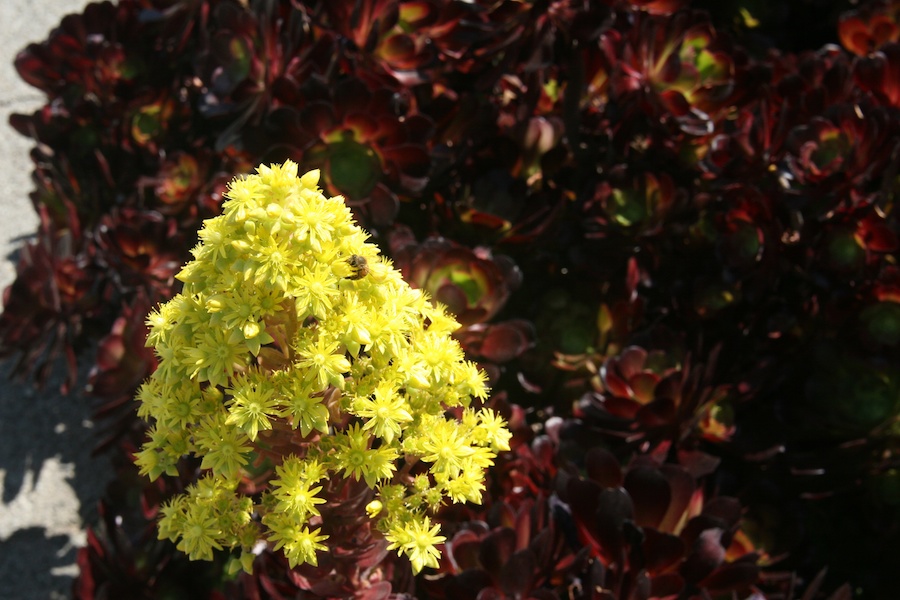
<point>870,27</point>
<point>668,228</point>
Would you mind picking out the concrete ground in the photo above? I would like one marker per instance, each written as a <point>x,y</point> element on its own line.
<point>49,484</point>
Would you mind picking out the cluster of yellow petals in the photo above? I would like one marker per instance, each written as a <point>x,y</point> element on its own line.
<point>278,327</point>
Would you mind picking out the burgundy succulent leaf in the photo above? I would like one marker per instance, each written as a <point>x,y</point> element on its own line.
<point>876,73</point>
<point>113,113</point>
<point>362,22</point>
<point>497,343</point>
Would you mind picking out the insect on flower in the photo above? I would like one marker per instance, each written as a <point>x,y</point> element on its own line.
<point>359,265</point>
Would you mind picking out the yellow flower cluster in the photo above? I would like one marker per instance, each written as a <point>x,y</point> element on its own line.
<point>290,323</point>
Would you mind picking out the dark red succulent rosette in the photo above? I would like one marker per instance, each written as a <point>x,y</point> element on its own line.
<point>809,84</point>
<point>637,207</point>
<point>473,284</point>
<point>772,98</point>
<point>748,231</point>
<point>143,248</point>
<point>674,68</point>
<point>87,54</point>
<point>652,531</point>
<point>257,58</point>
<point>869,27</point>
<point>180,177</point>
<point>841,157</point>
<point>646,399</point>
<point>389,36</point>
<point>631,379</point>
<point>188,188</point>
<point>366,138</point>
<point>53,297</point>
<point>817,151</point>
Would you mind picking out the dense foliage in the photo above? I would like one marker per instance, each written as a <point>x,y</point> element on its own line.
<point>666,227</point>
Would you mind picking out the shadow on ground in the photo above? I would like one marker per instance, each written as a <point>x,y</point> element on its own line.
<point>46,568</point>
<point>50,484</point>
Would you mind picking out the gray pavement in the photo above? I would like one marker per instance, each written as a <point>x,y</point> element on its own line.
<point>49,484</point>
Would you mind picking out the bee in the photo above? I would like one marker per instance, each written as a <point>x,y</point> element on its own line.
<point>359,266</point>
